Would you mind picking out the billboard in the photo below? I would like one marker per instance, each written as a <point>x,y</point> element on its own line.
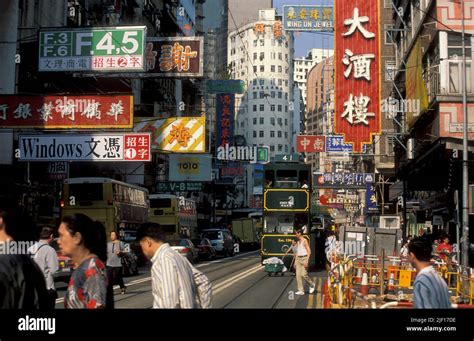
<point>310,143</point>
<point>85,147</point>
<point>225,107</point>
<point>282,200</point>
<point>308,18</point>
<point>336,144</point>
<point>190,167</point>
<point>343,180</point>
<point>66,112</point>
<point>92,49</point>
<point>357,71</point>
<point>175,57</point>
<point>230,86</point>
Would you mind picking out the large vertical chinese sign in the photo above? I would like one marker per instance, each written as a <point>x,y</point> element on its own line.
<point>357,71</point>
<point>225,119</point>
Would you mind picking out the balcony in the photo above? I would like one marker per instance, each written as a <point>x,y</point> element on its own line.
<point>445,80</point>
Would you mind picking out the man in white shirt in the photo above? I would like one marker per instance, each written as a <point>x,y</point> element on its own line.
<point>172,276</point>
<point>47,259</point>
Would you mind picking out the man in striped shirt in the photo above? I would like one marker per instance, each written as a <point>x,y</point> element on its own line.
<point>430,290</point>
<point>175,282</point>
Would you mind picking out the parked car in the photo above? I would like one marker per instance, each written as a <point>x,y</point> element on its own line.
<point>221,240</point>
<point>205,248</point>
<point>66,266</point>
<point>185,248</point>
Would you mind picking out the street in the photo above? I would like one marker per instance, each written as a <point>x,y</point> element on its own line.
<point>239,282</point>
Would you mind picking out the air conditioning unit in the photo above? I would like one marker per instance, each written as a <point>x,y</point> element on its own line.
<point>389,222</point>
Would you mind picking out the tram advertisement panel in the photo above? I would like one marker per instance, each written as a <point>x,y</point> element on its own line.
<point>286,200</point>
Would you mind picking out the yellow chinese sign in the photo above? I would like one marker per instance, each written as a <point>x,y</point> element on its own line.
<point>415,85</point>
<point>405,278</point>
<point>259,29</point>
<point>308,18</point>
<point>176,135</point>
<point>176,57</point>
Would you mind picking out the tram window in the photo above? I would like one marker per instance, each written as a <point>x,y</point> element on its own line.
<point>269,178</point>
<point>303,176</point>
<point>287,178</point>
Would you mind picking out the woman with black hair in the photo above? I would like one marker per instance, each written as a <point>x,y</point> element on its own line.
<point>84,241</point>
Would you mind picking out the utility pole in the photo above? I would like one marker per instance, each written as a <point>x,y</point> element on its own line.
<point>465,154</point>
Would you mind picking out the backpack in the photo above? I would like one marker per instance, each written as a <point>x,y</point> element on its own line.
<point>33,255</point>
<point>203,287</point>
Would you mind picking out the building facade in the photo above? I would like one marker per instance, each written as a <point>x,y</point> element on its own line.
<point>261,55</point>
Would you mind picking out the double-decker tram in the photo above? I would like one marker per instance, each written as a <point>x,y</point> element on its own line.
<point>286,206</point>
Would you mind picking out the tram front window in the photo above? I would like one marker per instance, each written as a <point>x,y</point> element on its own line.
<point>282,224</point>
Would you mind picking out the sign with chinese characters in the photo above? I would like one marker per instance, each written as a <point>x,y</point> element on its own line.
<point>176,135</point>
<point>66,112</point>
<point>92,49</point>
<point>343,180</point>
<point>175,57</point>
<point>190,167</point>
<point>232,170</point>
<point>335,144</point>
<point>172,187</point>
<point>85,147</point>
<point>230,86</point>
<point>357,71</point>
<point>57,171</point>
<point>286,200</point>
<point>225,105</point>
<point>371,199</point>
<point>310,144</point>
<point>308,18</point>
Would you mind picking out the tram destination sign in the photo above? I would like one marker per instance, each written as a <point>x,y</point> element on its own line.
<point>287,200</point>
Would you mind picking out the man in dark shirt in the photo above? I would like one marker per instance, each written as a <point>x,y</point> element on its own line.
<point>22,284</point>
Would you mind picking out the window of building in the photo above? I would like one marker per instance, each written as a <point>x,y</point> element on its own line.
<point>255,95</point>
<point>279,55</point>
<point>279,43</point>
<point>273,94</point>
<point>280,94</point>
<point>262,42</point>
<point>286,108</point>
<point>261,134</point>
<point>272,69</point>
<point>272,121</point>
<point>279,107</point>
<point>262,94</point>
<point>255,43</point>
<point>254,134</point>
<point>286,148</point>
<point>286,95</point>
<point>286,121</point>
<point>262,120</point>
<point>272,133</point>
<point>280,122</point>
<point>262,55</point>
<point>280,147</point>
<point>254,81</point>
<point>254,108</point>
<point>286,83</point>
<point>272,148</point>
<point>390,70</point>
<point>262,81</point>
<point>280,69</point>
<point>280,82</point>
<point>455,46</point>
<point>389,38</point>
<point>262,68</point>
<point>279,134</point>
<point>262,107</point>
<point>254,120</point>
<point>286,57</point>
<point>255,56</point>
<point>286,134</point>
<point>255,69</point>
<point>272,107</point>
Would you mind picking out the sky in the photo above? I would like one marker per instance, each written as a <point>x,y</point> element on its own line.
<point>305,41</point>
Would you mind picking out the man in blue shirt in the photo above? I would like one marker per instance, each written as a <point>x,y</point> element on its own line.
<point>430,290</point>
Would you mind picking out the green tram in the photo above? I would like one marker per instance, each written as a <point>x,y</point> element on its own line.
<point>286,207</point>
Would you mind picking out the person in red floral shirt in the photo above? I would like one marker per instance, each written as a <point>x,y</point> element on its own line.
<point>444,249</point>
<point>84,241</point>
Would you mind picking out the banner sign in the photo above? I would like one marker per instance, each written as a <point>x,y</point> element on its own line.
<point>310,143</point>
<point>225,106</point>
<point>343,180</point>
<point>190,167</point>
<point>308,18</point>
<point>176,135</point>
<point>66,112</point>
<point>57,171</point>
<point>231,86</point>
<point>92,49</point>
<point>335,144</point>
<point>371,199</point>
<point>175,57</point>
<point>172,187</point>
<point>85,147</point>
<point>357,71</point>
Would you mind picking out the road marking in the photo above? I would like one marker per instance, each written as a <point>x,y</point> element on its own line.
<point>225,260</point>
<point>227,283</point>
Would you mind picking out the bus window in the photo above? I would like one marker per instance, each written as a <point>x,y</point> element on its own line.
<point>162,203</point>
<point>86,192</point>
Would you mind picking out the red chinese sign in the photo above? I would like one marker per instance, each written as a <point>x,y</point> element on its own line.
<point>310,143</point>
<point>225,119</point>
<point>66,112</point>
<point>357,70</point>
<point>137,147</point>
